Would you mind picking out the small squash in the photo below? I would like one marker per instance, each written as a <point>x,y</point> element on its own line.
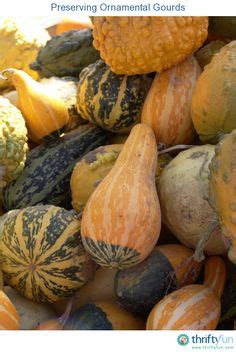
<point>121,221</point>
<point>213,102</point>
<point>207,52</point>
<point>183,191</point>
<point>103,316</point>
<point>31,313</point>
<point>45,113</point>
<point>137,45</point>
<point>167,107</point>
<point>111,101</point>
<point>222,188</point>
<point>9,317</point>
<point>193,307</point>
<point>167,268</point>
<point>42,254</point>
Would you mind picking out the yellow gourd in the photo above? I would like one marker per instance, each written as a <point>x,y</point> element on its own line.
<point>46,115</point>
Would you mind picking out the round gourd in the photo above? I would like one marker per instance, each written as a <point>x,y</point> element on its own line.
<point>213,102</point>
<point>31,313</point>
<point>66,54</point>
<point>100,288</point>
<point>103,316</point>
<point>42,255</point>
<point>167,107</point>
<point>193,307</point>
<point>9,317</point>
<point>111,101</point>
<point>207,52</point>
<point>167,268</point>
<point>183,190</point>
<point>121,220</point>
<point>137,45</point>
<point>92,169</point>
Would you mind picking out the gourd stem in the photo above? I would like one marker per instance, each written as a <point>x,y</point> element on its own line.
<point>215,274</point>
<point>176,147</point>
<point>63,319</point>
<point>199,251</point>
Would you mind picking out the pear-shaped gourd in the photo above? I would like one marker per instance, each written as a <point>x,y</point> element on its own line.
<point>222,188</point>
<point>193,307</point>
<point>46,115</point>
<point>121,220</point>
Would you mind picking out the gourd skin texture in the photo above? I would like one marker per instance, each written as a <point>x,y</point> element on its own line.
<point>222,188</point>
<point>137,45</point>
<point>183,191</point>
<point>46,176</point>
<point>193,307</point>
<point>111,101</point>
<point>19,43</point>
<point>66,54</point>
<point>13,142</point>
<point>167,268</point>
<point>167,107</point>
<point>42,254</point>
<point>9,318</point>
<point>207,52</point>
<point>213,102</point>
<point>103,316</point>
<point>45,113</point>
<point>121,221</point>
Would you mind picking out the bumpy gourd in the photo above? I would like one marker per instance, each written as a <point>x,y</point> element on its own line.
<point>207,52</point>
<point>121,220</point>
<point>214,103</point>
<point>183,192</point>
<point>20,41</point>
<point>45,112</point>
<point>66,54</point>
<point>167,268</point>
<point>9,317</point>
<point>193,307</point>
<point>137,45</point>
<point>222,188</point>
<point>111,101</point>
<point>92,169</point>
<point>13,142</point>
<point>42,254</point>
<point>167,107</point>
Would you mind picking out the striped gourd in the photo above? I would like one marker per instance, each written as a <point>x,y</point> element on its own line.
<point>121,220</point>
<point>193,307</point>
<point>42,254</point>
<point>9,318</point>
<point>167,108</point>
<point>167,268</point>
<point>111,101</point>
<point>46,177</point>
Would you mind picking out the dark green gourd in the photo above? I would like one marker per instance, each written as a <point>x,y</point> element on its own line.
<point>66,54</point>
<point>167,268</point>
<point>46,176</point>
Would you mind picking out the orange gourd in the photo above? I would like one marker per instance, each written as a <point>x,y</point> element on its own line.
<point>193,307</point>
<point>121,221</point>
<point>167,107</point>
<point>68,24</point>
<point>57,324</point>
<point>9,317</point>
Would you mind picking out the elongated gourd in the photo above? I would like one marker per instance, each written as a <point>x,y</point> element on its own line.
<point>46,116</point>
<point>9,318</point>
<point>222,185</point>
<point>193,307</point>
<point>167,107</point>
<point>121,221</point>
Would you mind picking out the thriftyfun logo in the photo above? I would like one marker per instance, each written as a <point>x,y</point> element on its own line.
<point>183,340</point>
<point>212,340</point>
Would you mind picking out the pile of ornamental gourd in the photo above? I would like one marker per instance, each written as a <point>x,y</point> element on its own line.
<point>118,174</point>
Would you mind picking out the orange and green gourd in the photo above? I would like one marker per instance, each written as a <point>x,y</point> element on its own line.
<point>193,307</point>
